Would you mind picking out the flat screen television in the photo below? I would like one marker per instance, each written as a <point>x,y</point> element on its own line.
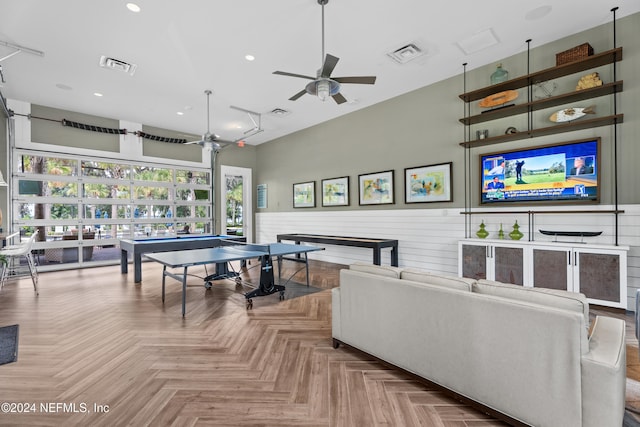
<point>566,172</point>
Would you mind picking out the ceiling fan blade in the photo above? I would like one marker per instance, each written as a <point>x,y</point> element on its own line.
<point>365,80</point>
<point>284,73</point>
<point>330,62</point>
<point>339,98</point>
<point>193,142</point>
<point>298,95</point>
<point>224,142</point>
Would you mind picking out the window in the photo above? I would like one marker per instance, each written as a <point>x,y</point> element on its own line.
<point>59,195</point>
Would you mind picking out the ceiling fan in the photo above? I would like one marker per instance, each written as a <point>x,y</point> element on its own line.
<point>210,141</point>
<point>323,85</point>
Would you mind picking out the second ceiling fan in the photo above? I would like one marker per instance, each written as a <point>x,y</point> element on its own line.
<point>210,141</point>
<point>323,85</point>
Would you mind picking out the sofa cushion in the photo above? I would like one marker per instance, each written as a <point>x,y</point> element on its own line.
<point>380,270</point>
<point>422,276</point>
<point>557,298</point>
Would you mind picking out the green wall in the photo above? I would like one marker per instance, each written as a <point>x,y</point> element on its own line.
<point>46,129</point>
<point>422,128</point>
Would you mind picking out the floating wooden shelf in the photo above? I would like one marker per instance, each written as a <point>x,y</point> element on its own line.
<point>593,61</point>
<point>580,95</point>
<point>550,130</point>
<point>533,212</point>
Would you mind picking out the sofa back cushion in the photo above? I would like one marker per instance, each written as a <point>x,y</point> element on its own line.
<point>380,270</point>
<point>422,276</point>
<point>565,300</point>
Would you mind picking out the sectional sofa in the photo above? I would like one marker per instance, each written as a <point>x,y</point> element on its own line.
<point>528,355</point>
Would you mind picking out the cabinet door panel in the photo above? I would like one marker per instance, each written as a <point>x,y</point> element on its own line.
<point>509,265</point>
<point>550,269</point>
<point>474,261</point>
<point>600,276</point>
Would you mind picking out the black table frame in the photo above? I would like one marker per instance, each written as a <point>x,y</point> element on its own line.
<point>362,242</point>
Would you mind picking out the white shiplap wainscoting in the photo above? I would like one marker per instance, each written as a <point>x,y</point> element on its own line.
<point>428,238</point>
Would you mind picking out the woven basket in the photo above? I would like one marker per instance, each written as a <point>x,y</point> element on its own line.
<point>574,54</point>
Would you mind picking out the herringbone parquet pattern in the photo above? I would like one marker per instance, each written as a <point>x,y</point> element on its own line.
<point>93,337</point>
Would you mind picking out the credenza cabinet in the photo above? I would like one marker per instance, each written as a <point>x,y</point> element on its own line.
<point>493,260</point>
<point>598,271</point>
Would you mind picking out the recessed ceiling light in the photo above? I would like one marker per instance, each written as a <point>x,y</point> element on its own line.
<point>133,7</point>
<point>180,113</point>
<point>98,94</point>
<point>249,57</point>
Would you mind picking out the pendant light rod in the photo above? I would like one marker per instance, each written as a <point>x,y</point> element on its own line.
<point>208,93</point>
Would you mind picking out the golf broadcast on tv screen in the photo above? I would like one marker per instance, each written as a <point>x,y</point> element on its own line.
<point>561,172</point>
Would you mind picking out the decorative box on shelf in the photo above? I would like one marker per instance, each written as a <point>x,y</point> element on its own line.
<point>574,54</point>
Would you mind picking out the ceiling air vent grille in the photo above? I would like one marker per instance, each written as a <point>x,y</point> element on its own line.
<point>279,112</point>
<point>406,53</point>
<point>118,65</point>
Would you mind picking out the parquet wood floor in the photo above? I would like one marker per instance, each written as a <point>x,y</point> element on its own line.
<point>98,350</point>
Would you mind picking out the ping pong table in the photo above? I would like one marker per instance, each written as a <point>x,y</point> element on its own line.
<point>225,254</point>
<point>137,247</point>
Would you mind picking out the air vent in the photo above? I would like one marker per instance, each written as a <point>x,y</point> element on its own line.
<point>406,53</point>
<point>118,65</point>
<point>279,112</point>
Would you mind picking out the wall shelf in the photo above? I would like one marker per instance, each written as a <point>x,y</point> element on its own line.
<point>532,212</point>
<point>592,61</point>
<point>550,130</point>
<point>580,95</point>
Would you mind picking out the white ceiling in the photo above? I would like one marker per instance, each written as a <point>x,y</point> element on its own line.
<point>181,48</point>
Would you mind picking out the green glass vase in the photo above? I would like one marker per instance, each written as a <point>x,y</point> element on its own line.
<point>499,75</point>
<point>500,233</point>
<point>516,234</point>
<point>482,233</point>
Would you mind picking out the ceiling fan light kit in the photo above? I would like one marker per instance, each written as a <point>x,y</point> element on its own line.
<point>323,88</point>
<point>210,141</point>
<point>323,85</point>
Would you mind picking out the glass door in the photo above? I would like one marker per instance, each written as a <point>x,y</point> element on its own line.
<point>236,201</point>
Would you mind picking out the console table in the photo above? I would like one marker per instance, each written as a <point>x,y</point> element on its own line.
<point>598,271</point>
<point>361,242</point>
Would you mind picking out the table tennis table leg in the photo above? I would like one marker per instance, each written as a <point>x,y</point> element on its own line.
<point>184,291</point>
<point>279,270</point>
<point>164,275</point>
<point>267,282</point>
<point>306,264</point>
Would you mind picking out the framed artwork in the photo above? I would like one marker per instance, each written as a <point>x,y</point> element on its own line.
<point>376,188</point>
<point>335,191</point>
<point>262,196</point>
<point>304,194</point>
<point>425,184</point>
